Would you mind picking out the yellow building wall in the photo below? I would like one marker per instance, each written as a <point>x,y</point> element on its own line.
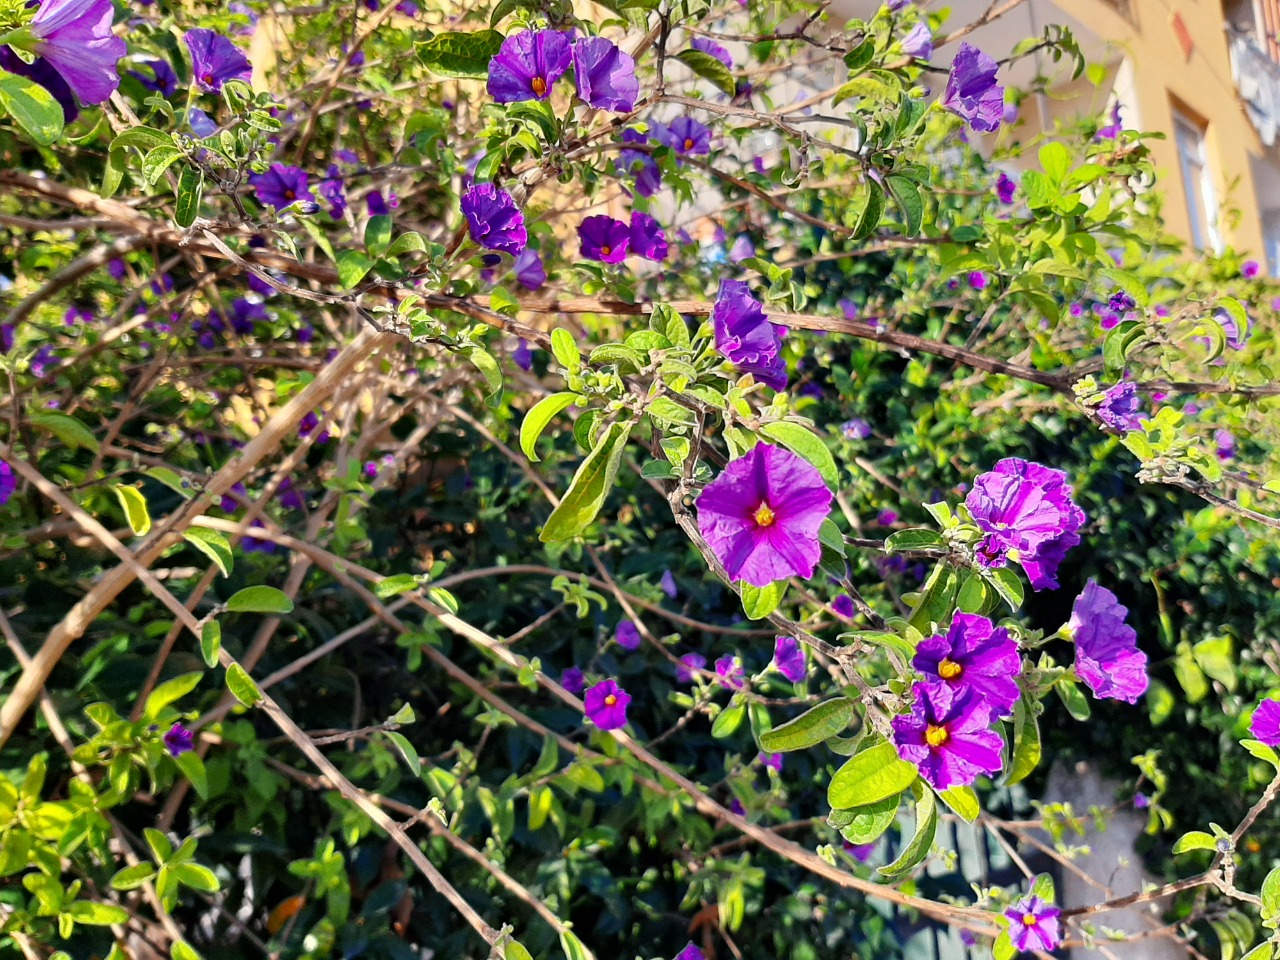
<point>1201,86</point>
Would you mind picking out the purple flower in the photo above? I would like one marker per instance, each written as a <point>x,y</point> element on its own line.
<point>843,606</point>
<point>1121,408</point>
<point>1107,656</point>
<point>946,735</point>
<point>8,483</point>
<point>771,761</point>
<point>896,5</point>
<point>746,337</point>
<point>1226,445</point>
<point>604,238</point>
<point>179,740</point>
<point>1027,513</point>
<point>628,635</point>
<point>215,60</point>
<point>730,673</point>
<point>859,851</point>
<point>201,124</point>
<point>606,76</point>
<point>1005,189</point>
<point>523,356</point>
<point>919,42</point>
<point>761,516</point>
<point>690,953</point>
<point>977,280</point>
<point>648,177</point>
<point>77,314</point>
<point>688,664</point>
<point>685,135</point>
<point>972,91</point>
<point>44,74</point>
<point>1141,801</point>
<point>855,429</point>
<point>281,186</point>
<point>976,655</point>
<point>493,219</point>
<point>529,271</point>
<point>1250,269</point>
<point>647,238</point>
<point>1033,925</point>
<point>528,65</point>
<point>606,704</point>
<point>572,680</point>
<point>43,359</point>
<point>244,314</point>
<point>668,584</point>
<point>887,518</point>
<point>1235,338</point>
<point>74,38</point>
<point>1265,725</point>
<point>742,249</point>
<point>1112,130</point>
<point>332,191</point>
<point>788,658</point>
<point>162,79</point>
<point>712,48</point>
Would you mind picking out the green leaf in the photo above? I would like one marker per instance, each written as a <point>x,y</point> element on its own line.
<point>157,161</point>
<point>1215,658</point>
<point>514,950</point>
<point>213,545</point>
<point>483,361</point>
<point>33,108</point>
<point>190,192</point>
<point>907,196</point>
<point>460,55</point>
<point>1262,752</point>
<point>130,878</point>
<point>729,720</point>
<point>161,848</point>
<point>259,600</point>
<point>395,585</point>
<point>708,68</point>
<point>671,413</point>
<point>860,56</point>
<point>377,235</point>
<point>407,751</point>
<point>97,914</point>
<point>181,950</point>
<point>917,538</point>
<point>963,802</point>
<point>169,692</point>
<point>926,828</point>
<point>589,487</point>
<point>810,728</point>
<point>938,598</point>
<point>242,686</point>
<point>1008,584</point>
<point>1026,743</point>
<point>66,428</point>
<point>804,443</point>
<point>1195,840</point>
<point>506,7</point>
<point>872,212</point>
<point>1073,699</point>
<point>352,267</point>
<point>1130,284</point>
<point>407,243</point>
<point>870,776</point>
<point>973,594</point>
<point>759,602</point>
<point>1055,161</point>
<point>867,824</point>
<point>134,505</point>
<point>1271,894</point>
<point>1003,948</point>
<point>193,767</point>
<point>196,876</point>
<point>572,946</point>
<point>565,349</point>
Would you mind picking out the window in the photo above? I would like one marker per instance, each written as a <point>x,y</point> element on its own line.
<point>1197,184</point>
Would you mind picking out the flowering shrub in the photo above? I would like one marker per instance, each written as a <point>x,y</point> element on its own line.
<point>295,309</point>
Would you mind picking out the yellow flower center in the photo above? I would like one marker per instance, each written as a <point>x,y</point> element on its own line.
<point>290,195</point>
<point>606,249</point>
<point>936,736</point>
<point>539,86</point>
<point>764,515</point>
<point>949,669</point>
<point>610,700</point>
<point>1029,919</point>
<point>688,143</point>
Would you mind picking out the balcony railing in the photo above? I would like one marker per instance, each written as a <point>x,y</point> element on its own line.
<point>1258,80</point>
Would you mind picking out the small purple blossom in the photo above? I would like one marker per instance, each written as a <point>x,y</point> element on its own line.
<point>977,280</point>
<point>855,429</point>
<point>684,135</point>
<point>859,851</point>
<point>975,655</point>
<point>771,761</point>
<point>1265,725</point>
<point>688,664</point>
<point>1121,408</point>
<point>606,76</point>
<point>1226,445</point>
<point>606,705</point>
<point>1006,187</point>
<point>201,124</point>
<point>638,163</point>
<point>523,355</point>
<point>604,238</point>
<point>43,359</point>
<point>691,952</point>
<point>1141,801</point>
<point>281,186</point>
<point>668,584</point>
<point>179,740</point>
<point>887,518</point>
<point>493,219</point>
<point>1027,513</point>
<point>843,606</point>
<point>627,634</point>
<point>572,680</point>
<point>761,516</point>
<point>919,42</point>
<point>1112,130</point>
<point>529,271</point>
<point>161,79</point>
<point>8,483</point>
<point>647,238</point>
<point>710,47</point>
<point>528,65</point>
<point>1033,925</point>
<point>788,658</point>
<point>742,249</point>
<point>1107,656</point>
<point>215,60</point>
<point>746,337</point>
<point>730,673</point>
<point>947,736</point>
<point>1250,269</point>
<point>972,93</point>
<point>331,190</point>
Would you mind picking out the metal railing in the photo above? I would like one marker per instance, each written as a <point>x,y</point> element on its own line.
<point>1257,76</point>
